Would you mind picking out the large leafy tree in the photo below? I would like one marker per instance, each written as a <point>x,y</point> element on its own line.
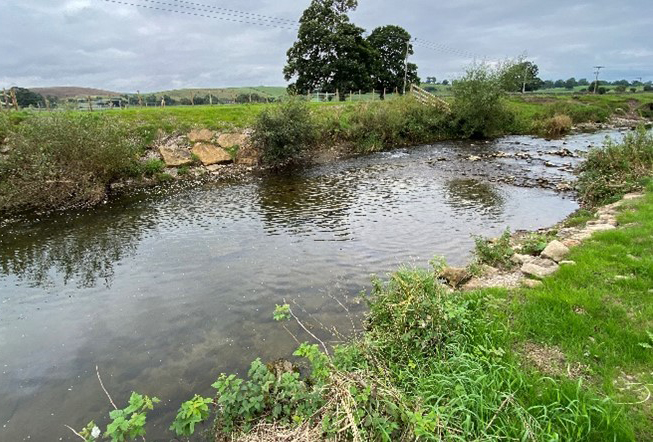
<point>515,74</point>
<point>330,53</point>
<point>26,97</point>
<point>391,45</point>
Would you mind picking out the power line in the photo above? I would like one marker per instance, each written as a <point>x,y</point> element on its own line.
<point>269,25</point>
<point>251,14</point>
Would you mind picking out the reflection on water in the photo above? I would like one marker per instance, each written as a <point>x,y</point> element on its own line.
<point>470,193</point>
<point>76,250</point>
<point>164,291</point>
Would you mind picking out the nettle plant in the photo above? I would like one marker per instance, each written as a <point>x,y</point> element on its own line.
<point>126,424</point>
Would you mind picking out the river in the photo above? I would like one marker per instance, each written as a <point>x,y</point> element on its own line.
<point>167,288</point>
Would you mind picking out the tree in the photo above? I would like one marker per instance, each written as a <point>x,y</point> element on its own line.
<point>445,82</point>
<point>548,84</point>
<point>391,45</point>
<point>571,83</point>
<point>27,98</point>
<point>583,82</point>
<point>559,83</point>
<point>330,53</point>
<point>515,75</point>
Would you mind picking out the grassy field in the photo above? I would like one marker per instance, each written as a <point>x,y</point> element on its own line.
<point>582,109</point>
<point>226,93</point>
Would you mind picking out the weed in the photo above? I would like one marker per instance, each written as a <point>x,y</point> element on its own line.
<point>578,218</point>
<point>191,413</point>
<point>495,253</point>
<point>183,170</point>
<point>535,243</point>
<point>153,167</point>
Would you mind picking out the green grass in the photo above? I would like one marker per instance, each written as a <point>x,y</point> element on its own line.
<point>599,311</point>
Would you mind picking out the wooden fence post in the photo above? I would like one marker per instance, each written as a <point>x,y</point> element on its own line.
<point>14,99</point>
<point>90,104</point>
<point>383,94</point>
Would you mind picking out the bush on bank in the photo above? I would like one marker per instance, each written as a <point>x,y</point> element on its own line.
<point>59,160</point>
<point>615,169</point>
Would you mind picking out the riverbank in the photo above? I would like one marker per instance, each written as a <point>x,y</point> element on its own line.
<point>68,160</point>
<point>568,359</point>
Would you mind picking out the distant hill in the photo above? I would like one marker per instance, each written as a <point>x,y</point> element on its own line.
<point>228,93</point>
<point>71,92</point>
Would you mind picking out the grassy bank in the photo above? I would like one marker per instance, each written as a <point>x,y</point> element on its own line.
<point>70,159</point>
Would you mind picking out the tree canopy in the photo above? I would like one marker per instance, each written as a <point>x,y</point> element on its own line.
<point>515,75</point>
<point>391,45</point>
<point>331,53</point>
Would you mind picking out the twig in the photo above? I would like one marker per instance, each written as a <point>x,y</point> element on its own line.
<point>503,404</point>
<point>97,370</point>
<point>76,433</point>
<point>291,334</point>
<point>326,350</point>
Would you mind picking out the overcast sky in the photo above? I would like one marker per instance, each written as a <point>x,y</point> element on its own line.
<point>95,43</point>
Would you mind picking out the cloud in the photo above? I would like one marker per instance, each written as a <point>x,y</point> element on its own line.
<point>109,45</point>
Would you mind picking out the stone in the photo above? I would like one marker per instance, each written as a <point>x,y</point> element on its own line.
<point>556,251</point>
<point>175,156</point>
<point>248,157</point>
<point>521,259</point>
<point>473,157</point>
<point>536,271</point>
<point>571,243</point>
<point>230,140</point>
<point>200,135</point>
<point>632,196</point>
<point>455,276</point>
<point>531,283</point>
<point>210,154</point>
<point>599,228</point>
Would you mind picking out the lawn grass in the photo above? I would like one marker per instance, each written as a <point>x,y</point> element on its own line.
<point>599,313</point>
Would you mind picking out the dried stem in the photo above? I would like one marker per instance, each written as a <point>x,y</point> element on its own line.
<point>326,349</point>
<point>97,370</point>
<point>76,433</point>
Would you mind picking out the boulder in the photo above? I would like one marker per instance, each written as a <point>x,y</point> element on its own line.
<point>455,276</point>
<point>210,154</point>
<point>175,156</point>
<point>555,251</point>
<point>536,271</point>
<point>230,140</point>
<point>248,157</point>
<point>200,135</point>
<point>521,259</point>
<point>571,243</point>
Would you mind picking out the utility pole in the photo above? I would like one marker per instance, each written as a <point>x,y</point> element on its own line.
<point>406,66</point>
<point>597,72</point>
<point>523,89</point>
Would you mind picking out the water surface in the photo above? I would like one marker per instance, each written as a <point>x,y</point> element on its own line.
<point>166,289</point>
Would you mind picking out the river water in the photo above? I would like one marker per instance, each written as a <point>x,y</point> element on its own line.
<point>166,289</point>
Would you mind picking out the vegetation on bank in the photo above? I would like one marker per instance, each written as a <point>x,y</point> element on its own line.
<point>68,159</point>
<point>59,161</point>
<point>568,360</point>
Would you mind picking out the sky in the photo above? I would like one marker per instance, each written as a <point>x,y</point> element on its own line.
<point>124,48</point>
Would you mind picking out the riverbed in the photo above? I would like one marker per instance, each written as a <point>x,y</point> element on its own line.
<point>165,289</point>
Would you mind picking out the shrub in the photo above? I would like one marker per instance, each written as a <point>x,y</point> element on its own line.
<point>62,160</point>
<point>616,168</point>
<point>284,131</point>
<point>648,88</point>
<point>496,253</point>
<point>555,126</point>
<point>478,105</point>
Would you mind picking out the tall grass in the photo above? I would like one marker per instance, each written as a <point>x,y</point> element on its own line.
<point>59,161</point>
<point>616,168</point>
